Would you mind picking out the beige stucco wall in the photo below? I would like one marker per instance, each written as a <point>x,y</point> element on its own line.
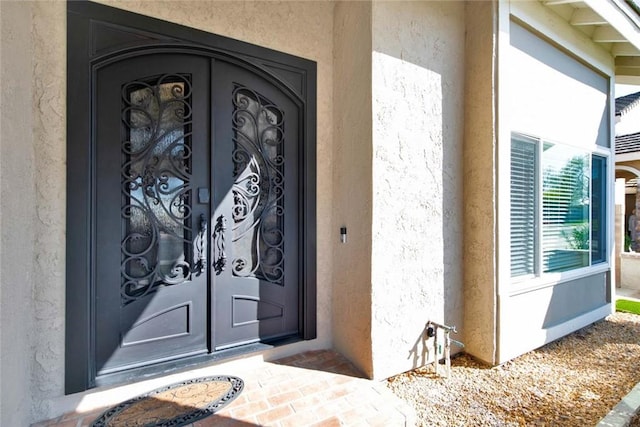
<point>418,68</point>
<point>479,178</point>
<point>352,183</point>
<point>398,159</point>
<point>33,200</point>
<point>17,214</point>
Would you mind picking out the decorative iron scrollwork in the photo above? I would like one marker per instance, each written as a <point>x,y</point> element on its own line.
<point>156,184</point>
<point>200,247</point>
<point>218,237</point>
<point>258,190</point>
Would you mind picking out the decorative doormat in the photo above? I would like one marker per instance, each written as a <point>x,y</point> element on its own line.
<point>174,405</point>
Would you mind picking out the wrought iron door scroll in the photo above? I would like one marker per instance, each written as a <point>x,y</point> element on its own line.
<point>218,237</point>
<point>258,190</point>
<point>156,182</point>
<point>200,249</point>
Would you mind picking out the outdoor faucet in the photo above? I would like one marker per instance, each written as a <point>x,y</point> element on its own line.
<point>432,332</point>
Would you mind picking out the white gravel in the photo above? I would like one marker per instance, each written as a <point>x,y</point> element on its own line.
<point>574,381</point>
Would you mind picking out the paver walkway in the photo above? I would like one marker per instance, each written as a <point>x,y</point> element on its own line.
<point>318,388</point>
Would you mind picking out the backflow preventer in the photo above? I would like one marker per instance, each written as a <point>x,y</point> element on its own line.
<point>432,332</point>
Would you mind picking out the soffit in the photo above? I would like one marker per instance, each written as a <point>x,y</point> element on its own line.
<point>612,24</point>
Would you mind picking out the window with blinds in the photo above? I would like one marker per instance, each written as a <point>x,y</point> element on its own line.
<point>565,208</point>
<point>558,207</point>
<point>523,205</point>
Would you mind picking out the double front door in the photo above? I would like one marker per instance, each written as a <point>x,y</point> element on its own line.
<point>196,209</point>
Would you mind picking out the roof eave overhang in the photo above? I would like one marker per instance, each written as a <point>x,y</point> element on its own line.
<point>613,24</point>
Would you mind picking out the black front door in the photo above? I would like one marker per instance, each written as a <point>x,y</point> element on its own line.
<point>191,196</point>
<point>195,219</point>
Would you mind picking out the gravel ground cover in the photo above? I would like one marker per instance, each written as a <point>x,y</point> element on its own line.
<point>574,381</point>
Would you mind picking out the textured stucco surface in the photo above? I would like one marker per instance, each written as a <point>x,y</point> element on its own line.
<point>418,120</point>
<point>352,181</point>
<point>17,214</point>
<point>33,152</point>
<point>49,75</point>
<point>480,183</point>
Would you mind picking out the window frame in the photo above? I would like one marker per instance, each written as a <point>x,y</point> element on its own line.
<point>540,278</point>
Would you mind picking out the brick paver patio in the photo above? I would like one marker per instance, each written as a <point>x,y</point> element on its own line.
<point>318,388</point>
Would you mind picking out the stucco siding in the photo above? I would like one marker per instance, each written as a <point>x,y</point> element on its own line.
<point>352,183</point>
<point>17,214</point>
<point>50,157</point>
<point>480,182</point>
<point>417,70</point>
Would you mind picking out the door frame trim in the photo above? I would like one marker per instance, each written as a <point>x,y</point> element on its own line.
<point>83,58</point>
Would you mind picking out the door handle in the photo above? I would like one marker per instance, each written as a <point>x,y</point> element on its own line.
<point>220,257</point>
<point>200,255</point>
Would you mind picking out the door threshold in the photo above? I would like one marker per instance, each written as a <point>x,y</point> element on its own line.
<point>187,363</point>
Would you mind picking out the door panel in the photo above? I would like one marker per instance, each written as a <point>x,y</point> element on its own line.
<point>255,244</point>
<point>152,150</point>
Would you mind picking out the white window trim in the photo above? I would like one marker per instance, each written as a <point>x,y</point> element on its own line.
<point>540,279</point>
<point>552,279</point>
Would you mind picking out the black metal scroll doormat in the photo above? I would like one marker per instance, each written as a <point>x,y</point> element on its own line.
<point>174,405</point>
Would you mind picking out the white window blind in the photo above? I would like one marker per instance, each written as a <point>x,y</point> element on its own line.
<point>523,206</point>
<point>565,208</point>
